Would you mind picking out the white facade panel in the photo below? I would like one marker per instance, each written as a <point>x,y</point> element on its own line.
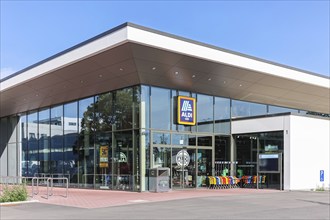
<point>310,144</point>
<point>259,125</point>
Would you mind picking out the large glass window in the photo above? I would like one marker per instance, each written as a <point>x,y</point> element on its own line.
<point>103,155</point>
<point>276,109</point>
<point>222,115</point>
<point>56,142</point>
<point>183,139</point>
<point>33,162</point>
<point>70,139</point>
<point>86,142</point>
<point>23,139</point>
<point>247,109</point>
<point>161,138</point>
<point>44,134</point>
<point>221,154</point>
<point>205,113</point>
<point>123,101</point>
<point>104,113</point>
<point>160,108</point>
<point>123,160</point>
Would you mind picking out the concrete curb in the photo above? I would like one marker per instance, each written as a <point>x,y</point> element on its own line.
<point>17,203</point>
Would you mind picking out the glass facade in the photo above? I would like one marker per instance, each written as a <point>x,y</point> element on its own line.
<point>111,140</point>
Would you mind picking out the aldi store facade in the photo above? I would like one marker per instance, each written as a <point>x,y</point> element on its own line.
<point>107,111</point>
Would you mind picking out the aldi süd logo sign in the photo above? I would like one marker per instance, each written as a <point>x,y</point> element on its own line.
<point>186,110</point>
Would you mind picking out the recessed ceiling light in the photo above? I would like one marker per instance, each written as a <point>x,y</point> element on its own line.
<point>121,69</point>
<point>81,81</point>
<point>176,73</point>
<point>209,79</point>
<point>100,75</point>
<point>240,85</point>
<point>224,82</point>
<point>37,95</point>
<point>193,76</point>
<point>153,68</point>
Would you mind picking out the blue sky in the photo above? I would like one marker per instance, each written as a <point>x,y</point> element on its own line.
<point>294,33</point>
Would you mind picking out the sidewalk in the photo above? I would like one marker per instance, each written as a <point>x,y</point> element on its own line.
<point>85,198</point>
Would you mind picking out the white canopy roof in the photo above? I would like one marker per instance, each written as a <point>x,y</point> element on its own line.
<point>130,54</point>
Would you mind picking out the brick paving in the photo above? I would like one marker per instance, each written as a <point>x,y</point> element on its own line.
<point>85,198</point>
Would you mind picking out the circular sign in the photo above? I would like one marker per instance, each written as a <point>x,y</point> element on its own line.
<point>182,158</point>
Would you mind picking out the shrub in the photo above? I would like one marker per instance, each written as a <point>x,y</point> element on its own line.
<point>14,194</point>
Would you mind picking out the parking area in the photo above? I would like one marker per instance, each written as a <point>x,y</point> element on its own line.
<point>185,204</point>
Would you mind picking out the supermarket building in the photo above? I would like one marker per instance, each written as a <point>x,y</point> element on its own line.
<point>106,111</point>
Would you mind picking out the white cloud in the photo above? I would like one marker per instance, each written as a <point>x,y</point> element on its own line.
<point>6,71</point>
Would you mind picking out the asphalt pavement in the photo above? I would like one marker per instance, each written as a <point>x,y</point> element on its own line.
<point>275,205</point>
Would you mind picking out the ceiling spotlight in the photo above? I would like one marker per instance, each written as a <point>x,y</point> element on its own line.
<point>176,73</point>
<point>121,69</point>
<point>209,79</point>
<point>100,75</point>
<point>37,95</point>
<point>240,85</point>
<point>193,76</point>
<point>224,82</point>
<point>81,81</point>
<point>153,68</point>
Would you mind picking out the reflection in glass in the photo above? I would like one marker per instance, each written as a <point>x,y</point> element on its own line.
<point>160,108</point>
<point>86,143</point>
<point>33,164</point>
<point>56,125</point>
<point>162,157</point>
<point>247,109</point>
<point>23,139</point>
<point>183,139</point>
<point>222,115</point>
<point>204,160</point>
<point>103,166</point>
<point>44,134</point>
<point>205,113</point>
<point>205,141</point>
<point>123,160</point>
<point>70,140</point>
<point>161,138</point>
<point>104,112</point>
<point>276,109</point>
<point>123,102</point>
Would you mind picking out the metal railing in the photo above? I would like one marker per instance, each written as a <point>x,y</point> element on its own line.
<point>51,181</point>
<point>35,183</point>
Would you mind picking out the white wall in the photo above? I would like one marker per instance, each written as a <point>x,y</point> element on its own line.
<point>309,148</point>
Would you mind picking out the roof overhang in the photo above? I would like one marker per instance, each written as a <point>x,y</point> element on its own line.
<point>130,54</point>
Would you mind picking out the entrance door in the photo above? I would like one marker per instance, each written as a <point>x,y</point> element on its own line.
<point>183,168</point>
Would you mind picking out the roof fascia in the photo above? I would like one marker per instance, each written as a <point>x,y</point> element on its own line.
<point>152,38</point>
<point>98,44</point>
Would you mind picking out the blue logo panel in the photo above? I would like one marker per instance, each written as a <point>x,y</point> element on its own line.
<point>186,110</point>
<point>321,175</point>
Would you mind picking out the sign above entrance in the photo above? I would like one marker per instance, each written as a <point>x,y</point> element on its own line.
<point>186,110</point>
